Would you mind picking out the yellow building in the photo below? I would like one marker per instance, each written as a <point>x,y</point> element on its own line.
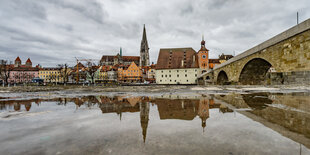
<point>53,74</point>
<point>103,73</point>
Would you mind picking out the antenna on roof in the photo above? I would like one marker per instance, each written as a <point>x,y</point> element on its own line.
<point>203,37</point>
<point>297,19</point>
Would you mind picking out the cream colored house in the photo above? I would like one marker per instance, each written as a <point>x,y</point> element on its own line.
<point>177,66</point>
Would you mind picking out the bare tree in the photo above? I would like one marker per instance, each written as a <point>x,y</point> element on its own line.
<point>63,71</point>
<point>5,70</point>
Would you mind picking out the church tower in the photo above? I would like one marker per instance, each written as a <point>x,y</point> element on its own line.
<point>203,57</point>
<point>144,50</point>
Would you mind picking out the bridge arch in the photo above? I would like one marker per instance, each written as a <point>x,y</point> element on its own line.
<point>222,78</point>
<point>254,72</point>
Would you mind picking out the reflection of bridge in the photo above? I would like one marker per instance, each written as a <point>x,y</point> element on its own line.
<point>283,59</point>
<point>287,114</point>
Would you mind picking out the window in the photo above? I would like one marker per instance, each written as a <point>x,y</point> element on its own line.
<point>178,71</point>
<point>162,75</point>
<point>185,75</point>
<point>162,71</point>
<point>169,75</point>
<point>170,80</point>
<point>185,70</point>
<point>165,75</point>
<point>175,80</point>
<point>195,75</point>
<point>186,80</point>
<point>204,56</point>
<point>178,75</point>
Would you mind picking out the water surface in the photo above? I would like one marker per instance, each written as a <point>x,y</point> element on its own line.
<point>260,123</point>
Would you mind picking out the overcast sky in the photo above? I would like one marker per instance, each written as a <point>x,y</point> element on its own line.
<point>55,31</point>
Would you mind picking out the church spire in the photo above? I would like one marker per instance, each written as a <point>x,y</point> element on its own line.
<point>144,50</point>
<point>144,39</point>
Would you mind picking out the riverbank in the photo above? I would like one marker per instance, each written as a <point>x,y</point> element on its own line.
<point>159,88</point>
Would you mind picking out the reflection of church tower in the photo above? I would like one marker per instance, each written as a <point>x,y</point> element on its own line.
<point>144,50</point>
<point>16,106</point>
<point>28,106</point>
<point>144,117</point>
<point>203,111</point>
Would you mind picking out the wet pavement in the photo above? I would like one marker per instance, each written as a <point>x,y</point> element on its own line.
<point>172,123</point>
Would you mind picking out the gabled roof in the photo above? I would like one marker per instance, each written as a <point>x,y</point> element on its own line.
<point>171,58</point>
<point>18,59</point>
<point>28,60</point>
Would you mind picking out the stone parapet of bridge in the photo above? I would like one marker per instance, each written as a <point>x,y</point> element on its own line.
<point>283,59</point>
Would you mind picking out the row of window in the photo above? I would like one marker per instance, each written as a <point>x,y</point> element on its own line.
<point>177,75</point>
<point>48,72</point>
<point>174,81</point>
<point>23,73</point>
<point>178,71</point>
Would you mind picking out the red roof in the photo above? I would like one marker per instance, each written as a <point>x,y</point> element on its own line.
<point>131,58</point>
<point>171,58</point>
<point>28,60</point>
<point>18,59</point>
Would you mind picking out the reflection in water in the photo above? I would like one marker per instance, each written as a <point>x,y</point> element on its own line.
<point>290,111</point>
<point>168,108</point>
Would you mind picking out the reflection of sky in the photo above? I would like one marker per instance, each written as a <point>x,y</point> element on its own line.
<point>66,130</point>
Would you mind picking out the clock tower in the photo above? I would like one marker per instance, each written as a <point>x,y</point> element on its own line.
<point>203,57</point>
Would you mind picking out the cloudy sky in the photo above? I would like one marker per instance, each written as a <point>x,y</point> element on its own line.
<point>55,31</point>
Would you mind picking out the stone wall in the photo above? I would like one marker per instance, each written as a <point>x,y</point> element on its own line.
<point>289,56</point>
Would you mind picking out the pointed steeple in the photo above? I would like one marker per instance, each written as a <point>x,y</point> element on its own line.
<point>144,39</point>
<point>144,50</point>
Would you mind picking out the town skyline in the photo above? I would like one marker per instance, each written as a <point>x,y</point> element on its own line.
<point>41,30</point>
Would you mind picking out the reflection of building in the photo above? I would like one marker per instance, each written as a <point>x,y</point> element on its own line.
<point>203,111</point>
<point>144,117</point>
<point>118,105</point>
<point>183,109</point>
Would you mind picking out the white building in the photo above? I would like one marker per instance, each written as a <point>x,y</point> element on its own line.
<point>177,66</point>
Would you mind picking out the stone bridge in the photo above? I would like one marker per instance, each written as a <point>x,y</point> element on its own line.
<point>283,59</point>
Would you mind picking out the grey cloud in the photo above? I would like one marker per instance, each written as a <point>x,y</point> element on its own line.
<point>55,31</point>
<point>22,8</point>
<point>91,9</point>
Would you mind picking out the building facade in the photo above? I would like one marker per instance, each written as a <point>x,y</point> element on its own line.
<point>110,60</point>
<point>203,57</point>
<point>50,74</point>
<point>20,73</point>
<point>177,66</point>
<point>132,73</point>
